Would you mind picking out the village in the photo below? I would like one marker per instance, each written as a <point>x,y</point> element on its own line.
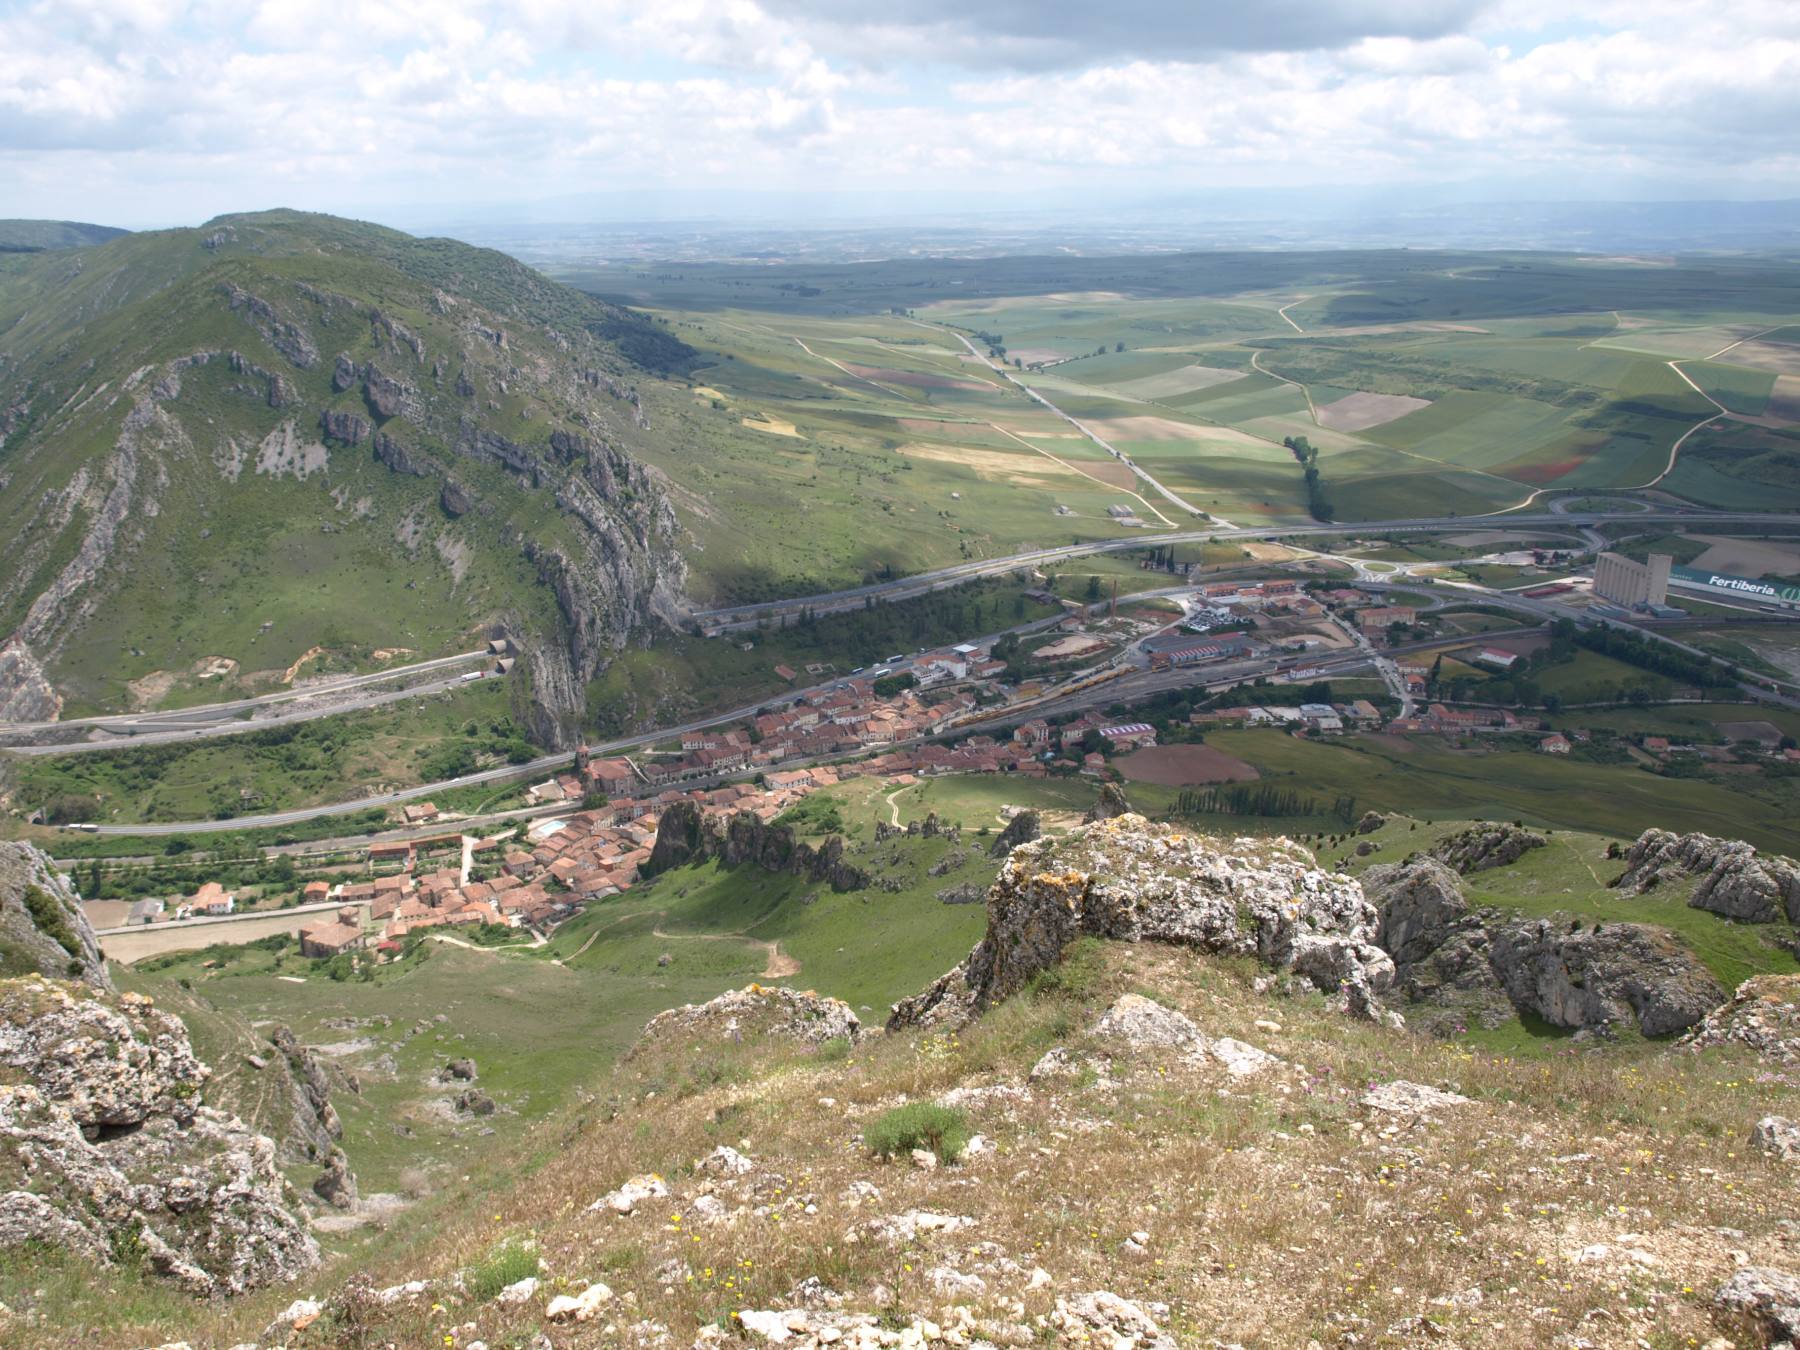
<point>995,707</point>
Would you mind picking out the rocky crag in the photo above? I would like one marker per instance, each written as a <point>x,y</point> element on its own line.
<point>1731,877</point>
<point>684,835</point>
<point>42,926</point>
<point>1128,879</point>
<point>1460,963</point>
<point>111,1155</point>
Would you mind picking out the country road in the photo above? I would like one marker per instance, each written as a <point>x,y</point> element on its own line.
<point>1079,425</point>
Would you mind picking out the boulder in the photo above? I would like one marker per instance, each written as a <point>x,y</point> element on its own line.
<point>1133,881</point>
<point>1763,1015</point>
<point>43,928</point>
<point>1777,1135</point>
<point>109,1148</point>
<point>1021,829</point>
<point>454,499</point>
<point>1482,846</point>
<point>343,373</point>
<point>1769,1298</point>
<point>1371,821</point>
<point>1401,1098</point>
<point>1146,1024</point>
<point>1593,978</point>
<point>760,1010</point>
<point>1111,802</point>
<point>1735,880</point>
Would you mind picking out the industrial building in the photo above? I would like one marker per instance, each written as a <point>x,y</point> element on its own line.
<point>1632,584</point>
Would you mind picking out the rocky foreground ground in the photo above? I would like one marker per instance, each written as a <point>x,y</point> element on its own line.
<point>1177,1108</point>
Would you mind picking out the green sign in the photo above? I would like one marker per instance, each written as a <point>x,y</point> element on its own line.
<point>1747,587</point>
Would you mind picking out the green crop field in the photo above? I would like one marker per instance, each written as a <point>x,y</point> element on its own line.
<point>1548,376</point>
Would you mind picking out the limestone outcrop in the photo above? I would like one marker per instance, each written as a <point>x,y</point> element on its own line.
<point>110,1153</point>
<point>42,926</point>
<point>1021,829</point>
<point>1111,802</point>
<point>1133,881</point>
<point>1591,978</point>
<point>1762,1015</point>
<point>1734,878</point>
<point>760,1010</point>
<point>1485,964</point>
<point>1482,846</point>
<point>684,835</point>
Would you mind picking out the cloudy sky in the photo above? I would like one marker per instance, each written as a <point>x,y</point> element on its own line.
<point>144,112</point>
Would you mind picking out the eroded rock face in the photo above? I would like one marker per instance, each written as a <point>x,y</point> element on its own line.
<point>1735,880</point>
<point>1111,802</point>
<point>1133,881</point>
<point>42,925</point>
<point>760,1010</point>
<point>684,835</point>
<point>1483,846</point>
<point>1763,1015</point>
<point>109,1150</point>
<point>1589,978</point>
<point>1441,948</point>
<point>1021,829</point>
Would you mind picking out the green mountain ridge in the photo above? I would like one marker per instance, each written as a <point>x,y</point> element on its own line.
<point>280,433</point>
<point>39,236</point>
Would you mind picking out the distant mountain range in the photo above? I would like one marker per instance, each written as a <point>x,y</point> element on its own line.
<point>42,236</point>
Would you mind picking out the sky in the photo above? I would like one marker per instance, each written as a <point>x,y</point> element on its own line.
<point>161,112</point>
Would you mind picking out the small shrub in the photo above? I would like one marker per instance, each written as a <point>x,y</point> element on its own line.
<point>513,1260</point>
<point>919,1125</point>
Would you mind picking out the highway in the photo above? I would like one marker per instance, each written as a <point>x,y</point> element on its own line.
<point>1541,611</point>
<point>326,698</point>
<point>735,617</point>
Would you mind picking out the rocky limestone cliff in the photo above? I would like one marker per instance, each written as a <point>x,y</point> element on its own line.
<point>1486,964</point>
<point>477,413</point>
<point>42,925</point>
<point>1134,881</point>
<point>685,836</point>
<point>111,1155</point>
<point>1734,879</point>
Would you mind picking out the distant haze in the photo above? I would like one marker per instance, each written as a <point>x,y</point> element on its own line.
<point>475,112</point>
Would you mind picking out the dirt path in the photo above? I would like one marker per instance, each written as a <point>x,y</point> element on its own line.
<point>778,965</point>
<point>893,806</point>
<point>1283,311</point>
<point>1675,449</point>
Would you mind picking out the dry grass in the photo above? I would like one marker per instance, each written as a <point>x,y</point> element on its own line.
<point>1279,1209</point>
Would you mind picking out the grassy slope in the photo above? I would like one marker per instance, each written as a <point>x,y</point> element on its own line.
<point>261,566</point>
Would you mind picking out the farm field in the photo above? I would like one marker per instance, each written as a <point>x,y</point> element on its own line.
<point>1424,390</point>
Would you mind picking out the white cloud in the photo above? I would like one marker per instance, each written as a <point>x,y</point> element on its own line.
<point>143,110</point>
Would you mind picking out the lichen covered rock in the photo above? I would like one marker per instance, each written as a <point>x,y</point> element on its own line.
<point>110,1153</point>
<point>760,1010</point>
<point>1134,881</point>
<point>1763,1015</point>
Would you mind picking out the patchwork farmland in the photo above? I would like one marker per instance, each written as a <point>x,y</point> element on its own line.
<point>1419,385</point>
